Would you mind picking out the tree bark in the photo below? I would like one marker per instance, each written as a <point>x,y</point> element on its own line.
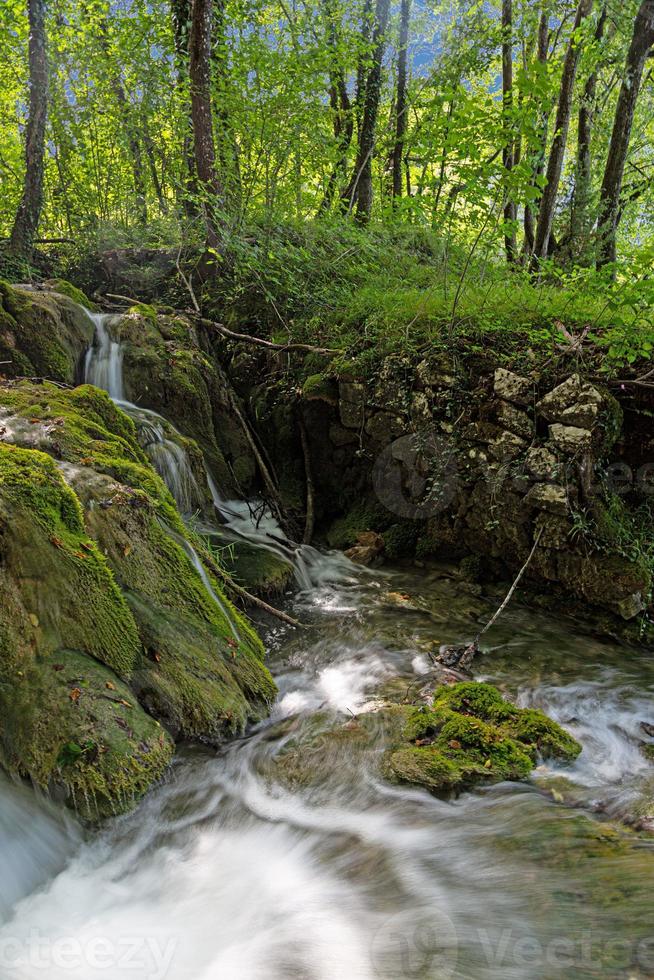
<point>531,209</point>
<point>400,102</point>
<point>609,211</point>
<point>202,118</point>
<point>359,192</point>
<point>557,151</point>
<point>181,19</point>
<point>341,107</point>
<point>579,224</point>
<point>510,210</point>
<point>28,212</point>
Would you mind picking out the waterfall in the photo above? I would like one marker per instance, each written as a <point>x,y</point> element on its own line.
<point>253,521</point>
<point>249,520</point>
<point>103,365</point>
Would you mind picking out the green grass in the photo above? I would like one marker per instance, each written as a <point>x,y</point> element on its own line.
<point>376,291</point>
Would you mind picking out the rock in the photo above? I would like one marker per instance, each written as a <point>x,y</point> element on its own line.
<point>470,734</point>
<point>352,400</point>
<point>570,439</point>
<point>549,497</point>
<point>420,408</point>
<point>630,606</point>
<point>555,531</point>
<point>514,420</point>
<point>506,447</point>
<point>541,464</point>
<point>574,402</point>
<point>384,427</point>
<point>93,577</point>
<point>342,437</point>
<point>369,548</point>
<point>512,387</point>
<point>481,432</point>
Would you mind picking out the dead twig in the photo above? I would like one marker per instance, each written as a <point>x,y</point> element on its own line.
<point>244,594</point>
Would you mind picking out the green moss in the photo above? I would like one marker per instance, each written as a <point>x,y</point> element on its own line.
<point>472,734</point>
<point>41,334</point>
<point>319,387</point>
<point>73,727</point>
<point>258,570</point>
<point>97,565</point>
<point>364,516</point>
<point>144,310</point>
<point>66,288</point>
<point>400,540</point>
<point>65,581</point>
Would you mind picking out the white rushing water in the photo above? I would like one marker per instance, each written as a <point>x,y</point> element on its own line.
<point>229,872</point>
<point>287,857</point>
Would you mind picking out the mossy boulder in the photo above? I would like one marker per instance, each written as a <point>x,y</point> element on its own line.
<point>167,369</point>
<point>111,626</point>
<point>42,334</point>
<point>260,571</point>
<point>470,734</point>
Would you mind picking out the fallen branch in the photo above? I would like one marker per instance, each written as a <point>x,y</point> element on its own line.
<point>244,338</point>
<point>125,299</point>
<point>244,594</point>
<point>462,656</point>
<point>247,338</point>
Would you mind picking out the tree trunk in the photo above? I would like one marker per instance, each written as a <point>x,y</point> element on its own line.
<point>341,107</point>
<point>359,191</point>
<point>228,152</point>
<point>609,212</point>
<point>401,104</point>
<point>181,18</point>
<point>579,224</point>
<point>531,208</point>
<point>201,116</point>
<point>28,212</point>
<point>557,151</point>
<point>510,210</point>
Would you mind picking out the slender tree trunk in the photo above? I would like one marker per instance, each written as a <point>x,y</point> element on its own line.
<point>557,151</point>
<point>362,61</point>
<point>341,107</point>
<point>359,191</point>
<point>579,224</point>
<point>609,212</point>
<point>401,103</point>
<point>181,18</point>
<point>228,152</point>
<point>531,208</point>
<point>28,212</point>
<point>510,209</point>
<point>202,119</point>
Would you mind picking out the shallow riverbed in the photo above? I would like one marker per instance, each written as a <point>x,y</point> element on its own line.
<point>285,856</point>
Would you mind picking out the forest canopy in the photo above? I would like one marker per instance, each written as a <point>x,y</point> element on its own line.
<point>517,131</point>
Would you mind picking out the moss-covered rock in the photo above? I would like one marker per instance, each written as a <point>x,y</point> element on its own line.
<point>260,571</point>
<point>167,369</point>
<point>105,592</point>
<point>471,734</point>
<point>42,334</point>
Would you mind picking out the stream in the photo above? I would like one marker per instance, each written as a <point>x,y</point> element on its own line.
<point>285,856</point>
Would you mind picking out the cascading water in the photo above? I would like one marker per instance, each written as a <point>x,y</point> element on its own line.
<point>251,520</point>
<point>288,857</point>
<point>103,367</point>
